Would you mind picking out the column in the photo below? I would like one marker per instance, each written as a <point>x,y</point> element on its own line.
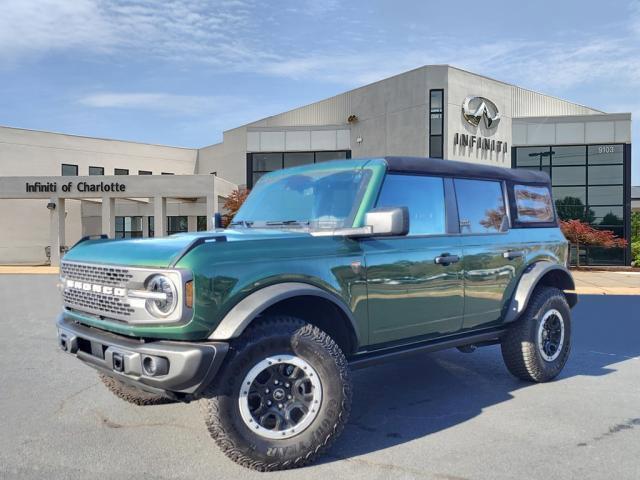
<point>109,216</point>
<point>56,229</point>
<point>160,216</point>
<point>212,208</point>
<point>192,223</point>
<point>145,225</point>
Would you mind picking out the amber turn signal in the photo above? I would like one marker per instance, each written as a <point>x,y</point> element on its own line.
<point>188,294</point>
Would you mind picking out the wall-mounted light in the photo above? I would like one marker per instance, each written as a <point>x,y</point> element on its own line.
<point>359,140</point>
<point>352,119</point>
<point>51,205</point>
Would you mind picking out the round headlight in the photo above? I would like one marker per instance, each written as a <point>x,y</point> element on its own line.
<point>162,307</point>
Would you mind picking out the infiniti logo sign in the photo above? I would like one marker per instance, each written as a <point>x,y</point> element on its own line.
<point>474,109</point>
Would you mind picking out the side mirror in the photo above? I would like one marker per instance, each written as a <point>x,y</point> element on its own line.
<point>388,221</point>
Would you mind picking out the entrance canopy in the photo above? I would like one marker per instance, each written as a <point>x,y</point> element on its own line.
<point>157,188</point>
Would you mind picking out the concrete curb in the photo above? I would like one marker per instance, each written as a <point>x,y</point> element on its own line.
<point>25,270</point>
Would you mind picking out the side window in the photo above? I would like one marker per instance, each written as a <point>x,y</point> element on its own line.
<point>480,205</point>
<point>533,203</point>
<point>423,196</point>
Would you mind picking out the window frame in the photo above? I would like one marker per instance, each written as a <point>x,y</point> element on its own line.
<point>68,165</point>
<point>145,172</point>
<point>96,174</point>
<point>124,231</point>
<point>250,171</point>
<point>506,199</point>
<point>116,170</point>
<point>517,223</point>
<point>442,121</point>
<point>447,205</point>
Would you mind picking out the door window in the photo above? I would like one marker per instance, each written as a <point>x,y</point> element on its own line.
<point>423,196</point>
<point>533,203</point>
<point>480,205</point>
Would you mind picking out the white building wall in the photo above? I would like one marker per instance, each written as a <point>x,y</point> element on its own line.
<point>24,224</point>
<point>572,129</point>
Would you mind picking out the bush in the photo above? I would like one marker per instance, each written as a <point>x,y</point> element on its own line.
<point>635,253</point>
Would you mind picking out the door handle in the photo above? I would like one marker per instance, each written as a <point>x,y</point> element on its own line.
<point>446,259</point>
<point>511,254</point>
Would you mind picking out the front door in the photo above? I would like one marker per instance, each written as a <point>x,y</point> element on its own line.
<point>414,283</point>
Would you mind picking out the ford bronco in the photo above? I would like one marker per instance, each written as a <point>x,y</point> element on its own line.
<point>325,268</point>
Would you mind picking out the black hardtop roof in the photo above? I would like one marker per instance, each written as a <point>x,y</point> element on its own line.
<point>436,166</point>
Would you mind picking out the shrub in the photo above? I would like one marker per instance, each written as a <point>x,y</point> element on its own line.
<point>232,204</point>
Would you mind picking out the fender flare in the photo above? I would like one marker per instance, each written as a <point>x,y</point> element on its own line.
<point>247,309</point>
<point>530,280</point>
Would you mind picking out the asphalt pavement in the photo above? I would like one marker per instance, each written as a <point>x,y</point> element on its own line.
<point>445,416</point>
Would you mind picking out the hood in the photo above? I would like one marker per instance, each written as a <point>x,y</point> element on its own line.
<point>165,251</point>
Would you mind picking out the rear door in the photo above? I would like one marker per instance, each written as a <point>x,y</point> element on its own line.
<point>492,256</point>
<point>414,282</point>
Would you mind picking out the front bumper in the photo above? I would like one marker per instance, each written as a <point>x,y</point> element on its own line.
<point>183,369</point>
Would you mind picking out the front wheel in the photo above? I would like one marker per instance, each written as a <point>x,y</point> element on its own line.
<point>536,347</point>
<point>282,397</point>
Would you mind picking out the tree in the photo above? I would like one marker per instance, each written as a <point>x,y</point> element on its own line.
<point>581,233</point>
<point>232,204</point>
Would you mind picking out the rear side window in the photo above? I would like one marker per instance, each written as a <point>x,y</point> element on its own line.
<point>534,204</point>
<point>481,206</point>
<point>423,196</point>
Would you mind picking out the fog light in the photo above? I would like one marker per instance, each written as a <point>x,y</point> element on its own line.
<point>154,366</point>
<point>118,362</point>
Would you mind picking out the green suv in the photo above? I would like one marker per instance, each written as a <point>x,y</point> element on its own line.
<point>325,268</point>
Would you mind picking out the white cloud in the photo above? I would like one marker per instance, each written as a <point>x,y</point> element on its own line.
<point>168,103</point>
<point>239,36</point>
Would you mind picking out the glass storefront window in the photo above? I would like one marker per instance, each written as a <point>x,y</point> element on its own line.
<point>436,123</point>
<point>177,224</point>
<point>568,175</point>
<point>569,155</point>
<point>532,157</point>
<point>606,154</point>
<point>606,174</point>
<point>327,156</point>
<point>128,227</point>
<point>262,163</point>
<point>297,158</point>
<point>588,185</point>
<point>609,195</point>
<point>266,162</point>
<point>570,195</point>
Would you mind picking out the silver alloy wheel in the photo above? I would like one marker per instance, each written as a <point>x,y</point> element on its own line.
<point>550,338</point>
<point>280,396</point>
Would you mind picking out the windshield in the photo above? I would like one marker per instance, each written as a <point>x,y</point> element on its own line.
<point>323,198</point>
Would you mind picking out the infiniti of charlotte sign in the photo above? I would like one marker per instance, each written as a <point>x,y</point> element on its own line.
<point>478,110</point>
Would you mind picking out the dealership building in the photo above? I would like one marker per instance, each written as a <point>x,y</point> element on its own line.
<point>436,110</point>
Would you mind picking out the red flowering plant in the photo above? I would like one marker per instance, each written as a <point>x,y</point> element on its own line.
<point>581,233</point>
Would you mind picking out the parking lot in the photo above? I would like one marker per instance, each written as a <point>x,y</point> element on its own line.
<point>447,415</point>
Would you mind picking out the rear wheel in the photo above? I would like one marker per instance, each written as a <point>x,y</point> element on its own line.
<point>282,397</point>
<point>537,346</point>
<point>131,394</point>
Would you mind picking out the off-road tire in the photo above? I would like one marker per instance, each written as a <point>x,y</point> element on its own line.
<point>278,335</point>
<point>131,394</point>
<point>520,344</point>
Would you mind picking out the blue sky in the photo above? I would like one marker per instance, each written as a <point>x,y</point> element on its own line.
<point>180,72</point>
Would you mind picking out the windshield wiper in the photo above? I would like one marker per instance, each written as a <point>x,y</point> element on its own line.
<point>243,223</point>
<point>286,222</point>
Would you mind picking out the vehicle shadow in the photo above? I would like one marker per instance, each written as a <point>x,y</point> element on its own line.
<point>400,401</point>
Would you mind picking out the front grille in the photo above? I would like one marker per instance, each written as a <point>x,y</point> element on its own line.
<point>103,275</point>
<point>105,304</point>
